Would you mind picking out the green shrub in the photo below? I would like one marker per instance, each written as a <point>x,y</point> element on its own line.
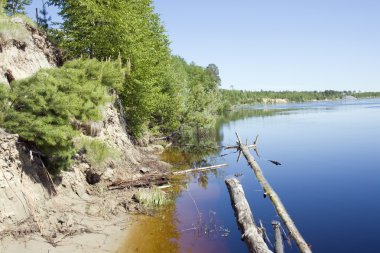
<point>4,94</point>
<point>44,106</point>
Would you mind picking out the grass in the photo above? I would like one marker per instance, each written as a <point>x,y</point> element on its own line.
<point>4,93</point>
<point>97,152</point>
<point>11,30</point>
<point>151,198</point>
<point>26,20</point>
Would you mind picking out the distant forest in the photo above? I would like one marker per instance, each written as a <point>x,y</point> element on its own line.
<point>236,97</point>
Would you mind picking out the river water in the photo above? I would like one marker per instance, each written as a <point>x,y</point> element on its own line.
<point>329,181</point>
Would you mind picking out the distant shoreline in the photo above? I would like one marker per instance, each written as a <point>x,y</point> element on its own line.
<point>244,106</point>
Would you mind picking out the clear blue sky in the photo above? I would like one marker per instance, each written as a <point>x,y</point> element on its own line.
<point>277,44</point>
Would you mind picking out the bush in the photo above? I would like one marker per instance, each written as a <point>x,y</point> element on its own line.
<point>4,93</point>
<point>45,105</point>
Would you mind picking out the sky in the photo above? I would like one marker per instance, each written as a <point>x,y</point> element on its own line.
<point>278,44</point>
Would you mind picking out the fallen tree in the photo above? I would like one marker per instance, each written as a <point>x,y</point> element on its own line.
<point>157,179</point>
<point>278,244</point>
<point>251,234</point>
<point>145,181</point>
<point>199,169</point>
<point>268,191</point>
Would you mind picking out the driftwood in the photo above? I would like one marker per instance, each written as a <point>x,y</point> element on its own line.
<point>199,169</point>
<point>156,179</point>
<point>278,244</point>
<point>168,137</point>
<point>251,234</point>
<point>145,181</point>
<point>268,191</point>
<point>265,235</point>
<point>254,145</point>
<point>237,147</point>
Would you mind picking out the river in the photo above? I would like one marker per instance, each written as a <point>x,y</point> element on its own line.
<point>329,181</point>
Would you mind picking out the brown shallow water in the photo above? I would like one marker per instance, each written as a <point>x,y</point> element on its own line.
<point>153,233</point>
<point>181,226</point>
<point>168,231</point>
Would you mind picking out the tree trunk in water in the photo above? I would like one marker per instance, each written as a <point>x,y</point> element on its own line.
<point>199,169</point>
<point>278,244</point>
<point>251,235</point>
<point>268,191</point>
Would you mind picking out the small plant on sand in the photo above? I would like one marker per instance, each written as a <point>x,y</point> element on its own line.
<point>97,152</point>
<point>151,198</point>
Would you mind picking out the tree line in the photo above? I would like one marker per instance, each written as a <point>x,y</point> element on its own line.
<point>236,97</point>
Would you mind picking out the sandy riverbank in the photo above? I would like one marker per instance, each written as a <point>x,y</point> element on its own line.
<point>109,238</point>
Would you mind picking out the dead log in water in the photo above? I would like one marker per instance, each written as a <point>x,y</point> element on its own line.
<point>268,191</point>
<point>251,235</point>
<point>157,179</point>
<point>145,181</point>
<point>278,244</point>
<point>199,169</point>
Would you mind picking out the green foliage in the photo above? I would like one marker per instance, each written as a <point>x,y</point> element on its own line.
<point>4,100</point>
<point>365,94</point>
<point>44,106</point>
<point>97,151</point>
<point>151,198</point>
<point>236,97</point>
<point>129,30</point>
<point>2,5</point>
<point>43,19</point>
<point>199,91</point>
<point>13,7</point>
<point>109,73</point>
<point>213,71</point>
<point>203,96</point>
<point>160,91</point>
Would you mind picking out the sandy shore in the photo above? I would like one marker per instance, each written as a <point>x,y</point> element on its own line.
<point>109,239</point>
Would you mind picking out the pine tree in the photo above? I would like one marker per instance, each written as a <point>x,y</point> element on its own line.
<point>44,19</point>
<point>130,29</point>
<point>13,7</point>
<point>2,6</point>
<point>153,93</point>
<point>45,106</point>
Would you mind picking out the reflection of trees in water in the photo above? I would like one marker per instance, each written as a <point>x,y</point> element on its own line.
<point>193,148</point>
<point>203,177</point>
<point>244,113</point>
<point>199,147</point>
<point>198,141</point>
